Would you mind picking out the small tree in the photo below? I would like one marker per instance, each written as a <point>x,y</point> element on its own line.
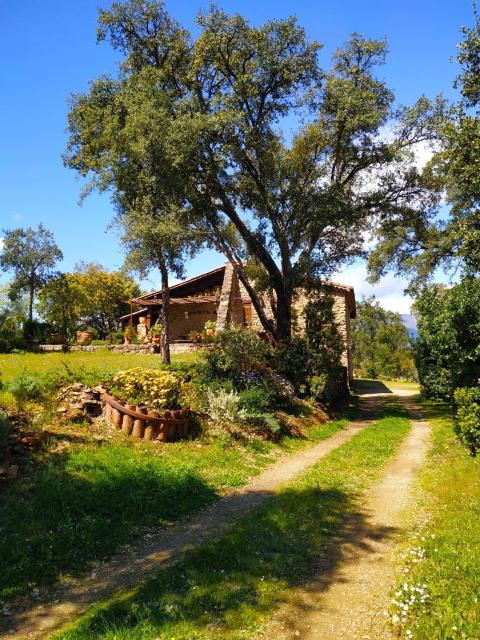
<point>162,240</point>
<point>61,303</point>
<point>31,254</point>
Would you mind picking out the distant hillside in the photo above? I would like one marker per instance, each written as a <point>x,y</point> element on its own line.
<point>411,324</point>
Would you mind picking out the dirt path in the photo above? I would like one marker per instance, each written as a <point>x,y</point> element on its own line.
<point>48,612</point>
<point>348,602</point>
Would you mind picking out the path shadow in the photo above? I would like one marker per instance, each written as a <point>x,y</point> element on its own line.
<point>362,387</point>
<point>247,572</point>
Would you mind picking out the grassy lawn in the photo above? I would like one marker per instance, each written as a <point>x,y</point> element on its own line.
<point>89,490</point>
<point>229,589</point>
<point>443,559</point>
<point>13,364</point>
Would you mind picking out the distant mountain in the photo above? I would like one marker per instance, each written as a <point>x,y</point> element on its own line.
<point>411,324</point>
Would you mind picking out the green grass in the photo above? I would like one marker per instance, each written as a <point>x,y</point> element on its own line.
<point>80,498</point>
<point>229,589</point>
<point>449,541</point>
<point>13,364</point>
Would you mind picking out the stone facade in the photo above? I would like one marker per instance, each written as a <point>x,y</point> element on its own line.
<point>343,310</point>
<point>190,317</point>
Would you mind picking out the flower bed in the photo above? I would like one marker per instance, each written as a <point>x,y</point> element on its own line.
<point>146,403</point>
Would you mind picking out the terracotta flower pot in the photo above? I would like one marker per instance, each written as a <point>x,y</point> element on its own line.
<point>156,339</point>
<point>58,338</point>
<point>84,337</point>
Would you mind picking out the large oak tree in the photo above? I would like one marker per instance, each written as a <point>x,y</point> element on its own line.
<point>200,122</point>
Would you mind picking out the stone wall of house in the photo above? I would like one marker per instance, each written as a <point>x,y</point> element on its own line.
<point>198,315</point>
<point>341,312</point>
<point>230,306</point>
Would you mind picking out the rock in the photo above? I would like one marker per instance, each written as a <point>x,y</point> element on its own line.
<point>79,401</point>
<point>12,471</point>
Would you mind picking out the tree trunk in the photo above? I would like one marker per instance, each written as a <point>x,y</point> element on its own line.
<point>165,311</point>
<point>30,302</point>
<point>283,315</point>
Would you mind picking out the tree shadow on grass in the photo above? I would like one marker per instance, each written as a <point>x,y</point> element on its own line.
<point>233,583</point>
<point>362,387</point>
<point>82,506</point>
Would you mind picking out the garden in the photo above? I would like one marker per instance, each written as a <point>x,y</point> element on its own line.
<point>78,482</point>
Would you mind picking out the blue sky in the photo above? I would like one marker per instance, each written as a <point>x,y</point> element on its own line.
<point>48,51</point>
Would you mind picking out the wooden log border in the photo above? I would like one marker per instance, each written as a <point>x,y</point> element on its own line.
<point>166,426</point>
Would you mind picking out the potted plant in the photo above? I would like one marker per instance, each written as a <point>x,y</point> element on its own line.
<point>129,334</point>
<point>195,336</point>
<point>156,332</point>
<point>209,327</point>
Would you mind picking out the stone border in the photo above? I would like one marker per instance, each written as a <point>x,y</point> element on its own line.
<point>175,348</point>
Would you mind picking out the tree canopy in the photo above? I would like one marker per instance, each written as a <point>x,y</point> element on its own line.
<point>453,243</point>
<point>89,297</point>
<point>197,123</point>
<point>382,345</point>
<point>31,255</point>
<point>448,344</point>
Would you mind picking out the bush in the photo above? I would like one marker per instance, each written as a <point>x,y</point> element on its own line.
<point>293,360</point>
<point>224,407</point>
<point>24,388</point>
<point>236,354</point>
<point>447,353</point>
<point>264,422</point>
<point>313,363</point>
<point>467,417</point>
<point>10,336</point>
<point>116,337</point>
<point>37,331</point>
<point>257,399</point>
<point>156,388</point>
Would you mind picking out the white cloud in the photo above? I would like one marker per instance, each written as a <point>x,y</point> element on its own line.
<point>389,291</point>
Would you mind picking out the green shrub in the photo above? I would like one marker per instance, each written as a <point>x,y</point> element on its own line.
<point>467,417</point>
<point>10,336</point>
<point>257,399</point>
<point>116,337</point>
<point>37,331</point>
<point>24,388</point>
<point>237,354</point>
<point>293,360</point>
<point>264,422</point>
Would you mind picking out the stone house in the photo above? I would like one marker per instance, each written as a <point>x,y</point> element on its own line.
<point>218,296</point>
